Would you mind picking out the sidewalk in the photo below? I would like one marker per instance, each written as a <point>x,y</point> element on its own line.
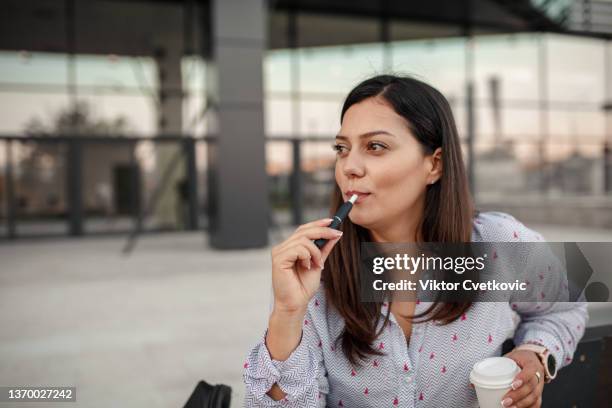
<point>139,331</point>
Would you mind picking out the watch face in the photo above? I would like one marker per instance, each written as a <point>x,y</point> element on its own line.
<point>552,365</point>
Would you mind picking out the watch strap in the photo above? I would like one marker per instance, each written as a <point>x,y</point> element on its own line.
<point>543,354</point>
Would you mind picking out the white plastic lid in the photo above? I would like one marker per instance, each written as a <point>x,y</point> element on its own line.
<point>494,372</point>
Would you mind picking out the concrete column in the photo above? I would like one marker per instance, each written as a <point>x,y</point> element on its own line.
<point>74,183</point>
<point>607,147</point>
<point>238,186</point>
<point>470,84</point>
<point>170,122</point>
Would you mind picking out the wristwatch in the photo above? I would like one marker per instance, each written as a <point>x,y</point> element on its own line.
<point>547,359</point>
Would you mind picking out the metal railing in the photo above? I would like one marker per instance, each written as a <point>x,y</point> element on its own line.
<point>77,185</point>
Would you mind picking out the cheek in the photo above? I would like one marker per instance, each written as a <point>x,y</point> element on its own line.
<point>402,178</point>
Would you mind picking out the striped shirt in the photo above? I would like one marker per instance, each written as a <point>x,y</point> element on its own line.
<point>432,368</point>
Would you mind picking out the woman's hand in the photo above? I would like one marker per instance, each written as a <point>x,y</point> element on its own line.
<point>526,389</point>
<point>297,264</point>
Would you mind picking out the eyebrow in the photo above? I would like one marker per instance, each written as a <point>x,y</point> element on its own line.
<point>367,134</point>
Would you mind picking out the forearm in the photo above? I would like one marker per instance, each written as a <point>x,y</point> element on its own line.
<point>559,328</point>
<point>284,335</point>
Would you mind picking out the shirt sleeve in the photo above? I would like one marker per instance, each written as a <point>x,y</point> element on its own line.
<point>556,325</point>
<point>302,376</point>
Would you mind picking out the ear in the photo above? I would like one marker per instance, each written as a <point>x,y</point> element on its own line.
<point>435,172</point>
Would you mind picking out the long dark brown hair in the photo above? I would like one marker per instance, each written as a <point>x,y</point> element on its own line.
<point>447,214</point>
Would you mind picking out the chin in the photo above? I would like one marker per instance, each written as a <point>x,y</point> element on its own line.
<point>358,219</point>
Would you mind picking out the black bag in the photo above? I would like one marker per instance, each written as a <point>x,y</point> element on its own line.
<point>209,396</point>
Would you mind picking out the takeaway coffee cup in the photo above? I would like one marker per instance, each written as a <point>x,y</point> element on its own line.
<point>492,379</point>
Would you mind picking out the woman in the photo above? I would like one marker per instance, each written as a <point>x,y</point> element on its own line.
<point>397,149</point>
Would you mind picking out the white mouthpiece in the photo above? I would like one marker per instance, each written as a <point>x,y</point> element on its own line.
<point>353,198</point>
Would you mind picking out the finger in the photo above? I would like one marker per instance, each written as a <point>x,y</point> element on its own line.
<point>327,248</point>
<point>523,384</point>
<point>539,391</point>
<point>323,222</point>
<point>523,396</point>
<point>315,252</point>
<point>314,233</point>
<point>528,401</point>
<point>299,232</point>
<point>297,253</point>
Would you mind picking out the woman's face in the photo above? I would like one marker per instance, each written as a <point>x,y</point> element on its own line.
<point>377,155</point>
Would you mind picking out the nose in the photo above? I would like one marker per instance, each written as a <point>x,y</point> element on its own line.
<point>352,165</point>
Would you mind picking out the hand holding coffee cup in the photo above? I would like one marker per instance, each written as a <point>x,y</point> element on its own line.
<point>509,381</point>
<point>493,378</point>
<point>529,383</point>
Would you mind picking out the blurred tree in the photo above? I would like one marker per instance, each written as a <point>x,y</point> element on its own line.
<point>77,120</point>
<point>41,167</point>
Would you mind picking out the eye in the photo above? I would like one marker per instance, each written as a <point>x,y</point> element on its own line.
<point>338,148</point>
<point>380,145</point>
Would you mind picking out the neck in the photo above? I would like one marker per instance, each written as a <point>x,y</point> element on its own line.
<point>407,230</point>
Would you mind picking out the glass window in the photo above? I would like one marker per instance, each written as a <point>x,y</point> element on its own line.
<point>576,69</point>
<point>506,66</point>
<point>336,70</point>
<point>441,63</point>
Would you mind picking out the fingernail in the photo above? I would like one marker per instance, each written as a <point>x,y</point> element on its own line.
<point>338,233</point>
<point>506,402</point>
<point>309,264</point>
<point>517,384</point>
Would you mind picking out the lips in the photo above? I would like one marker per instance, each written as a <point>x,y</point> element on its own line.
<point>361,195</point>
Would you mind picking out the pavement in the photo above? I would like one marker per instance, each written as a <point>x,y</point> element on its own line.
<point>140,330</point>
